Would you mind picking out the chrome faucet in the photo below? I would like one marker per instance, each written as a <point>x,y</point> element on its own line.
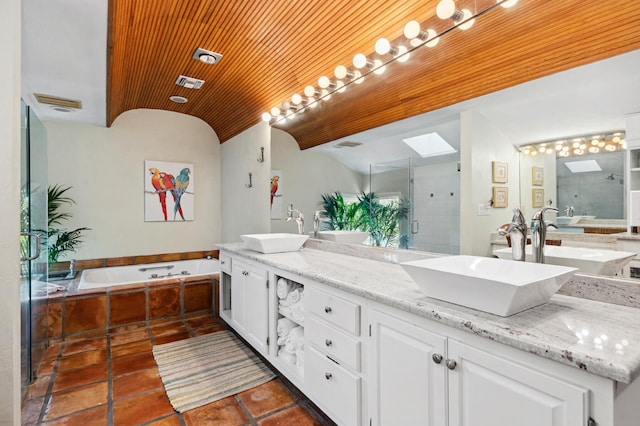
<point>317,217</point>
<point>539,233</point>
<point>568,210</point>
<point>517,230</point>
<point>293,214</point>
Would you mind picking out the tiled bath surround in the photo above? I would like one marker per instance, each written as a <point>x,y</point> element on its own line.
<point>73,313</point>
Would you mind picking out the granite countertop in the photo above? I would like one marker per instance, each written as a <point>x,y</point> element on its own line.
<point>595,336</point>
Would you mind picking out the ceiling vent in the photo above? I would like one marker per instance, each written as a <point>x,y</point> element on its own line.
<point>348,144</point>
<point>189,82</point>
<point>58,102</point>
<point>206,56</point>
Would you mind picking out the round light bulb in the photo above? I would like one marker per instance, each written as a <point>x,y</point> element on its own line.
<point>578,151</point>
<point>527,151</point>
<point>594,141</point>
<point>275,111</point>
<point>403,56</point>
<point>412,29</point>
<point>616,139</point>
<point>286,105</point>
<point>324,95</point>
<point>357,77</point>
<point>445,9</point>
<point>542,148</point>
<point>360,60</point>
<point>583,146</point>
<point>558,147</point>
<point>466,17</point>
<point>296,99</point>
<point>415,42</point>
<point>576,145</point>
<point>601,144</point>
<point>565,149</point>
<point>549,150</point>
<point>340,87</point>
<point>594,149</point>
<point>266,117</point>
<point>324,82</point>
<point>378,67</point>
<point>309,90</point>
<point>312,102</point>
<point>431,36</point>
<point>340,72</point>
<point>534,152</point>
<point>610,147</point>
<point>507,3</point>
<point>382,46</point>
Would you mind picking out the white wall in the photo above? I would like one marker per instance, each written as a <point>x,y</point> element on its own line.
<point>105,167</point>
<point>9,211</point>
<point>306,175</point>
<point>481,142</point>
<point>245,210</point>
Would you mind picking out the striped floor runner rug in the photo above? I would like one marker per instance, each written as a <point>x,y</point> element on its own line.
<point>207,368</point>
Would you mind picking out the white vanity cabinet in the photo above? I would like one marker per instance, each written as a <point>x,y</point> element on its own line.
<point>333,353</point>
<point>250,303</point>
<point>424,377</point>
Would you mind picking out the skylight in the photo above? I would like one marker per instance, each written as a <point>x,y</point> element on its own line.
<point>583,166</point>
<point>429,145</point>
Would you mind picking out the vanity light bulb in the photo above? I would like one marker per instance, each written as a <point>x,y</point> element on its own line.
<point>610,147</point>
<point>324,95</point>
<point>324,82</point>
<point>340,87</point>
<point>357,77</point>
<point>445,9</point>
<point>594,141</point>
<point>616,139</point>
<point>312,102</point>
<point>527,151</point>
<point>578,151</point>
<point>601,144</point>
<point>360,60</point>
<point>378,67</point>
<point>507,3</point>
<point>431,36</point>
<point>266,117</point>
<point>565,149</point>
<point>275,111</point>
<point>559,147</point>
<point>576,145</point>
<point>309,91</point>
<point>382,46</point>
<point>534,152</point>
<point>403,56</point>
<point>594,149</point>
<point>549,151</point>
<point>340,72</point>
<point>583,146</point>
<point>411,29</point>
<point>296,99</point>
<point>466,17</point>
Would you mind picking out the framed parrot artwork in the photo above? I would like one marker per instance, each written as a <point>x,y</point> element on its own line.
<point>276,194</point>
<point>168,191</point>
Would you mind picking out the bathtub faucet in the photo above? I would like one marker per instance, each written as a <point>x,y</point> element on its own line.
<point>149,268</point>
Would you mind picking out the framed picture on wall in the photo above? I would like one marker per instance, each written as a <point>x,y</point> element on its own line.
<point>537,175</point>
<point>276,194</point>
<point>500,196</point>
<point>537,197</point>
<point>168,191</point>
<point>499,172</point>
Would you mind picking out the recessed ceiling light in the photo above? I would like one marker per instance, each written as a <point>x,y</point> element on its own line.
<point>62,109</point>
<point>178,99</point>
<point>348,144</point>
<point>583,166</point>
<point>206,56</point>
<point>429,145</point>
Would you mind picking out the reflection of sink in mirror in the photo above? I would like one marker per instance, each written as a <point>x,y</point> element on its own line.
<point>491,285</point>
<point>589,260</point>
<point>350,237</point>
<point>274,243</point>
<point>572,220</point>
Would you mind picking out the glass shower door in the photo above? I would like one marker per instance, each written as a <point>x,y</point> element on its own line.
<point>33,226</point>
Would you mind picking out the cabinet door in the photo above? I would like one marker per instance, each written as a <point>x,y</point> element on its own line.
<point>487,390</point>
<point>237,296</point>
<point>408,386</point>
<point>256,304</point>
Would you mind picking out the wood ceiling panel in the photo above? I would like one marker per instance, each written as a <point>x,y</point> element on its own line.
<point>272,49</point>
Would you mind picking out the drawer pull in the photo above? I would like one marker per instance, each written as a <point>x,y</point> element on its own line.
<point>451,364</point>
<point>327,309</point>
<point>222,262</point>
<point>328,342</point>
<point>437,358</point>
<point>328,376</point>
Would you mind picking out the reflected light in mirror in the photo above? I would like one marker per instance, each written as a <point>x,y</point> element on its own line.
<point>609,141</point>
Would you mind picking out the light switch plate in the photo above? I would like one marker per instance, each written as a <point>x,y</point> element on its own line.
<point>483,209</point>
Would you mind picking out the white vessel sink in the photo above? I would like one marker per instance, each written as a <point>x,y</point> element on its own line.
<point>350,237</point>
<point>588,260</point>
<point>274,243</point>
<point>491,285</point>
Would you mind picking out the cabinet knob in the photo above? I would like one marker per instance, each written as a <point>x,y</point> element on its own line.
<point>437,358</point>
<point>328,376</point>
<point>328,342</point>
<point>222,262</point>
<point>327,309</point>
<point>451,364</point>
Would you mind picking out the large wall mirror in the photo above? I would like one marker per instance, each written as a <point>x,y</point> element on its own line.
<point>452,192</point>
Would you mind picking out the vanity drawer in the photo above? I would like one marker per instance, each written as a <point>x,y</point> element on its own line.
<point>337,345</point>
<point>333,309</point>
<point>225,262</point>
<point>335,390</point>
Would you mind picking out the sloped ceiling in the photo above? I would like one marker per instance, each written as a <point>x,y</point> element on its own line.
<point>274,48</point>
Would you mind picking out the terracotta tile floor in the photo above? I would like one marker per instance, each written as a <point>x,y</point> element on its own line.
<point>113,380</point>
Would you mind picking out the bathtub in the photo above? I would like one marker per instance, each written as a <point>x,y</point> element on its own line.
<point>149,272</point>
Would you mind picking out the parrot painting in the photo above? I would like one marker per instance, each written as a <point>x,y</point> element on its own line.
<point>180,186</point>
<point>162,182</point>
<point>274,187</point>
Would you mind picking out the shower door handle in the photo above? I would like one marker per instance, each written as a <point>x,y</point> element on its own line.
<point>415,226</point>
<point>37,237</point>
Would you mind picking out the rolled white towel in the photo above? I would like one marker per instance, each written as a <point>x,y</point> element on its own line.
<point>283,287</point>
<point>282,340</point>
<point>297,312</point>
<point>284,310</point>
<point>295,340</point>
<point>288,357</point>
<point>293,297</point>
<point>300,358</point>
<point>284,326</point>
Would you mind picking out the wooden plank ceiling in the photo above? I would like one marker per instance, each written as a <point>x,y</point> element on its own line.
<point>274,48</point>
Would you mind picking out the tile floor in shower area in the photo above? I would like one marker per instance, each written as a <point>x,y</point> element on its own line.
<point>114,380</point>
